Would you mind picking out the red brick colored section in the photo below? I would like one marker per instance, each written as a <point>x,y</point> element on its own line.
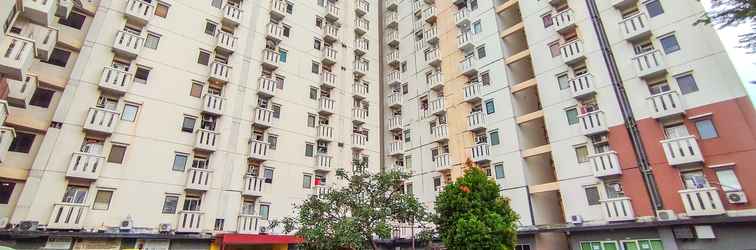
<point>735,121</point>
<point>3,88</point>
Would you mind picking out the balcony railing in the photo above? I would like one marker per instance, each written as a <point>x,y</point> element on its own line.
<point>100,120</point>
<point>232,15</point>
<point>392,37</point>
<point>564,20</point>
<point>360,90</point>
<point>328,79</point>
<point>361,67</point>
<point>435,81</point>
<point>360,114</point>
<point>278,9</point>
<point>7,134</point>
<point>472,92</point>
<point>226,42</point>
<point>396,148</point>
<point>213,104</point>
<point>582,85</point>
<point>332,11</point>
<point>573,51</point>
<point>254,186</point>
<point>391,19</point>
<point>220,71</point>
<point>469,65</point>
<point>429,14</point>
<point>127,44</point>
<point>618,209</point>
<point>593,123</point>
<point>393,57</point>
<point>270,59</point>
<point>190,221</point>
<point>331,32</point>
<point>115,80</point>
<point>323,162</point>
<point>395,123</point>
<point>363,7</point>
<point>251,224</point>
<point>18,55</point>
<point>329,55</point>
<point>394,100</point>
<point>361,45</point>
<point>361,25</point>
<point>85,166</point>
<point>635,27</point>
<point>462,17</point>
<point>394,77</point>
<point>682,150</point>
<point>440,133</point>
<point>258,150</point>
<point>392,4</point>
<point>263,117</point>
<point>436,107</point>
<point>64,8</point>
<point>605,164</point>
<point>45,39</point>
<point>359,141</point>
<point>275,32</point>
<point>20,92</point>
<point>465,40</point>
<point>198,179</point>
<point>39,11</point>
<point>266,86</point>
<point>442,161</point>
<point>325,133</point>
<point>206,140</point>
<point>666,104</point>
<point>68,216</point>
<point>139,11</point>
<point>327,105</point>
<point>431,34</point>
<point>649,64</point>
<point>702,202</point>
<point>476,121</point>
<point>432,57</point>
<point>480,152</point>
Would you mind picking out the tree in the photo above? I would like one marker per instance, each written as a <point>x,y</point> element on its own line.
<point>472,215</point>
<point>352,216</point>
<point>731,13</point>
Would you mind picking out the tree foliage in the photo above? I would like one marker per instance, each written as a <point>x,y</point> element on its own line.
<point>730,13</point>
<point>472,215</point>
<point>366,206</point>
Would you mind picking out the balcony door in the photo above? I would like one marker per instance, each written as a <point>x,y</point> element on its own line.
<point>675,131</point>
<point>92,146</point>
<point>694,179</point>
<point>75,194</point>
<point>192,203</point>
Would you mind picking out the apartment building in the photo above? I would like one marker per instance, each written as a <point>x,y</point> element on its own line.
<point>608,124</point>
<point>180,124</point>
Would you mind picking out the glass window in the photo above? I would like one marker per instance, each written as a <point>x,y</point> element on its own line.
<point>130,112</point>
<point>191,203</point>
<point>117,152</point>
<point>499,170</point>
<point>317,44</point>
<point>706,129</point>
<point>75,194</point>
<point>407,135</point>
<point>42,97</point>
<point>405,89</point>
<point>22,143</point>
<point>268,175</point>
<point>408,162</point>
<point>58,57</point>
<point>309,149</point>
<point>654,8</point>
<point>282,54</point>
<point>547,20</point>
<point>481,52</point>
<point>142,74</point>
<point>6,190</point>
<point>581,153</point>
<point>636,245</point>
<point>210,28</point>
<point>74,20</point>
<point>289,7</point>
<point>179,162</point>
<point>473,4</point>
<point>161,9</point>
<point>264,211</point>
<point>102,200</point>
<point>687,84</point>
<point>307,181</point>
<point>170,204</point>
<point>314,93</point>
<point>485,78</point>
<point>494,135</point>
<point>592,194</point>
<point>490,107</point>
<point>669,43</point>
<point>203,58</point>
<point>311,120</point>
<point>216,3</point>
<point>564,81</point>
<point>196,90</point>
<point>315,68</point>
<point>572,116</point>
<point>188,124</point>
<point>276,110</point>
<point>728,180</point>
<point>152,41</point>
<point>554,48</point>
<point>477,27</point>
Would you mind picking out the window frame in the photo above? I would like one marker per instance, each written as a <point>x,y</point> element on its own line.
<point>166,208</point>
<point>176,155</point>
<point>124,112</point>
<point>714,133</point>
<point>115,158</point>
<point>156,38</point>
<point>669,50</point>
<point>109,199</point>
<point>27,146</point>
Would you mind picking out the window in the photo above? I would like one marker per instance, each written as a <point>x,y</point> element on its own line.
<point>404,67</point>
<point>317,44</point>
<point>547,20</point>
<point>473,4</point>
<point>219,224</point>
<point>59,57</point>
<point>405,89</point>
<point>282,54</point>
<point>196,90</point>
<point>204,57</point>
<point>22,143</point>
<point>494,135</point>
<point>654,8</point>
<point>490,107</point>
<point>407,135</point>
<point>289,7</point>
<point>408,161</point>
<point>6,190</point>
<point>152,41</point>
<point>161,9</point>
<point>481,52</point>
<point>75,194</point>
<point>102,200</point>
<point>654,244</point>
<point>563,80</point>
<point>179,162</point>
<point>581,153</point>
<point>210,28</point>
<point>728,180</point>
<point>572,115</point>
<point>280,80</point>
<point>314,93</point>
<point>272,142</point>
<point>130,112</point>
<point>592,194</point>
<point>276,110</point>
<point>41,97</point>
<point>170,204</point>
<point>306,181</point>
<point>477,27</point>
<point>309,149</point>
<point>318,22</point>
<point>74,20</point>
<point>669,43</point>
<point>522,247</point>
<point>264,211</point>
<point>554,48</point>
<point>315,68</point>
<point>687,84</point>
<point>117,153</point>
<point>268,175</point>
<point>286,30</point>
<point>311,120</point>
<point>216,3</point>
<point>706,129</point>
<point>141,75</point>
<point>485,78</point>
<point>499,170</point>
<point>188,124</point>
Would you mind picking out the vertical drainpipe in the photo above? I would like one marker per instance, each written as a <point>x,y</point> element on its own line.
<point>624,104</point>
<point>381,111</point>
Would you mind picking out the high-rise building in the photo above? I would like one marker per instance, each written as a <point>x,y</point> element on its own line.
<point>608,124</point>
<point>167,124</point>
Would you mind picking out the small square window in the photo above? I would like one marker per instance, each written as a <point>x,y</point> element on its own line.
<point>547,20</point>
<point>210,28</point>
<point>554,48</point>
<point>572,116</point>
<point>315,68</point>
<point>130,112</point>
<point>142,73</point>
<point>282,55</point>
<point>152,41</point>
<point>581,152</point>
<point>196,90</point>
<point>307,181</point>
<point>485,78</point>
<point>204,57</point>
<point>564,81</point>
<point>687,84</point>
<point>494,136</point>
<point>405,89</point>
<point>102,200</point>
<point>179,162</point>
<point>490,107</point>
<point>117,153</point>
<point>313,93</point>
<point>481,52</point>
<point>407,135</point>
<point>592,195</point>
<point>309,149</point>
<point>706,129</point>
<point>477,27</point>
<point>188,124</point>
<point>22,143</point>
<point>170,204</point>
<point>654,8</point>
<point>161,9</point>
<point>669,43</point>
<point>311,120</point>
<point>272,142</point>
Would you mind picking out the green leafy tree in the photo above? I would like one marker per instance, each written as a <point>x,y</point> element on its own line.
<point>472,215</point>
<point>352,216</point>
<point>730,13</point>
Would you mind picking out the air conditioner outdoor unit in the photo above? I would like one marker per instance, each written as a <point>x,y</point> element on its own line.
<point>576,219</point>
<point>666,215</point>
<point>736,197</point>
<point>165,227</point>
<point>28,225</point>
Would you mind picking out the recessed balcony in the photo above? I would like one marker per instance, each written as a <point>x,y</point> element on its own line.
<point>325,133</point>
<point>395,148</point>
<point>682,150</point>
<point>258,150</point>
<point>442,162</point>
<point>190,221</point>
<point>462,17</point>
<point>431,35</point>
<point>476,121</point>
<point>101,121</point>
<point>393,58</point>
<point>232,15</point>
<point>330,33</point>
<point>394,77</point>
<point>327,106</point>
<point>139,12</point>
<point>266,86</point>
<point>39,11</point>
<point>220,72</point>
<point>7,134</point>
<point>20,92</point>
<point>592,123</point>
<point>702,202</point>
<point>18,56</point>
<point>480,152</point>
<point>432,57</point>
<point>361,67</point>
<point>618,209</point>
<point>85,166</point>
<point>564,21</point>
<point>327,79</point>
<point>263,117</point>
<point>332,11</point>
<point>440,133</point>
<point>278,9</point>
<point>206,140</point>
<point>394,100</point>
<point>115,81</point>
<point>361,26</point>
<point>225,42</point>
<point>395,123</point>
<point>127,44</point>
<point>465,41</point>
<point>254,186</point>
<point>363,7</point>
<point>213,104</point>
<point>64,8</point>
<point>198,179</point>
<point>359,141</point>
<point>361,46</point>
<point>666,104</point>
<point>573,52</point>
<point>359,115</point>
<point>430,14</point>
<point>68,216</point>
<point>473,92</point>
<point>605,164</point>
<point>270,59</point>
<point>323,162</point>
<point>360,90</point>
<point>274,32</point>
<point>329,55</point>
<point>635,27</point>
<point>649,64</point>
<point>469,66</point>
<point>582,86</point>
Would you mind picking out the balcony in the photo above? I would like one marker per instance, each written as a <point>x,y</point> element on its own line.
<point>263,117</point>
<point>649,64</point>
<point>20,92</point>
<point>432,57</point>
<point>480,152</point>
<point>232,15</point>
<point>462,17</point>
<point>101,121</point>
<point>219,71</point>
<point>682,150</point>
<point>392,4</point>
<point>472,92</point>
<point>325,133</point>
<point>361,67</point>
<point>431,35</point>
<point>359,141</point>
<point>127,44</point>
<point>190,222</point>
<point>618,209</point>
<point>39,11</point>
<point>327,79</point>
<point>139,12</point>
<point>68,216</point>
<point>394,100</point>
<point>396,148</point>
<point>476,121</point>
<point>3,111</point>
<point>469,66</point>
<point>7,134</point>
<point>393,58</point>
<point>391,19</point>
<point>251,224</point>
<point>115,81</point>
<point>394,77</point>
<point>442,162</point>
<point>582,86</point>
<point>429,14</point>
<point>359,90</point>
<point>332,11</point>
<point>198,179</point>
<point>330,33</point>
<point>395,123</point>
<point>359,115</point>
<point>592,123</point>
<point>327,106</point>
<point>85,166</point>
<point>329,55</point>
<point>665,105</point>
<point>417,7</point>
<point>605,164</point>
<point>270,59</point>
<point>419,26</point>
<point>573,52</point>
<point>254,186</point>
<point>564,21</point>
<point>393,38</point>
<point>635,27</point>
<point>465,41</point>
<point>18,57</point>
<point>702,202</point>
<point>44,39</point>
<point>274,32</point>
<point>363,7</point>
<point>440,133</point>
<point>258,150</point>
<point>361,26</point>
<point>266,86</point>
<point>323,162</point>
<point>64,8</point>
<point>278,9</point>
<point>320,190</point>
<point>213,104</point>
<point>361,46</point>
<point>436,107</point>
<point>206,140</point>
<point>225,42</point>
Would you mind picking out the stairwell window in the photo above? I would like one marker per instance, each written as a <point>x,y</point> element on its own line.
<point>152,41</point>
<point>117,154</point>
<point>669,43</point>
<point>687,83</point>
<point>170,203</point>
<point>179,161</point>
<point>592,195</point>
<point>654,8</point>
<point>572,115</point>
<point>102,200</point>
<point>490,109</point>
<point>706,129</point>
